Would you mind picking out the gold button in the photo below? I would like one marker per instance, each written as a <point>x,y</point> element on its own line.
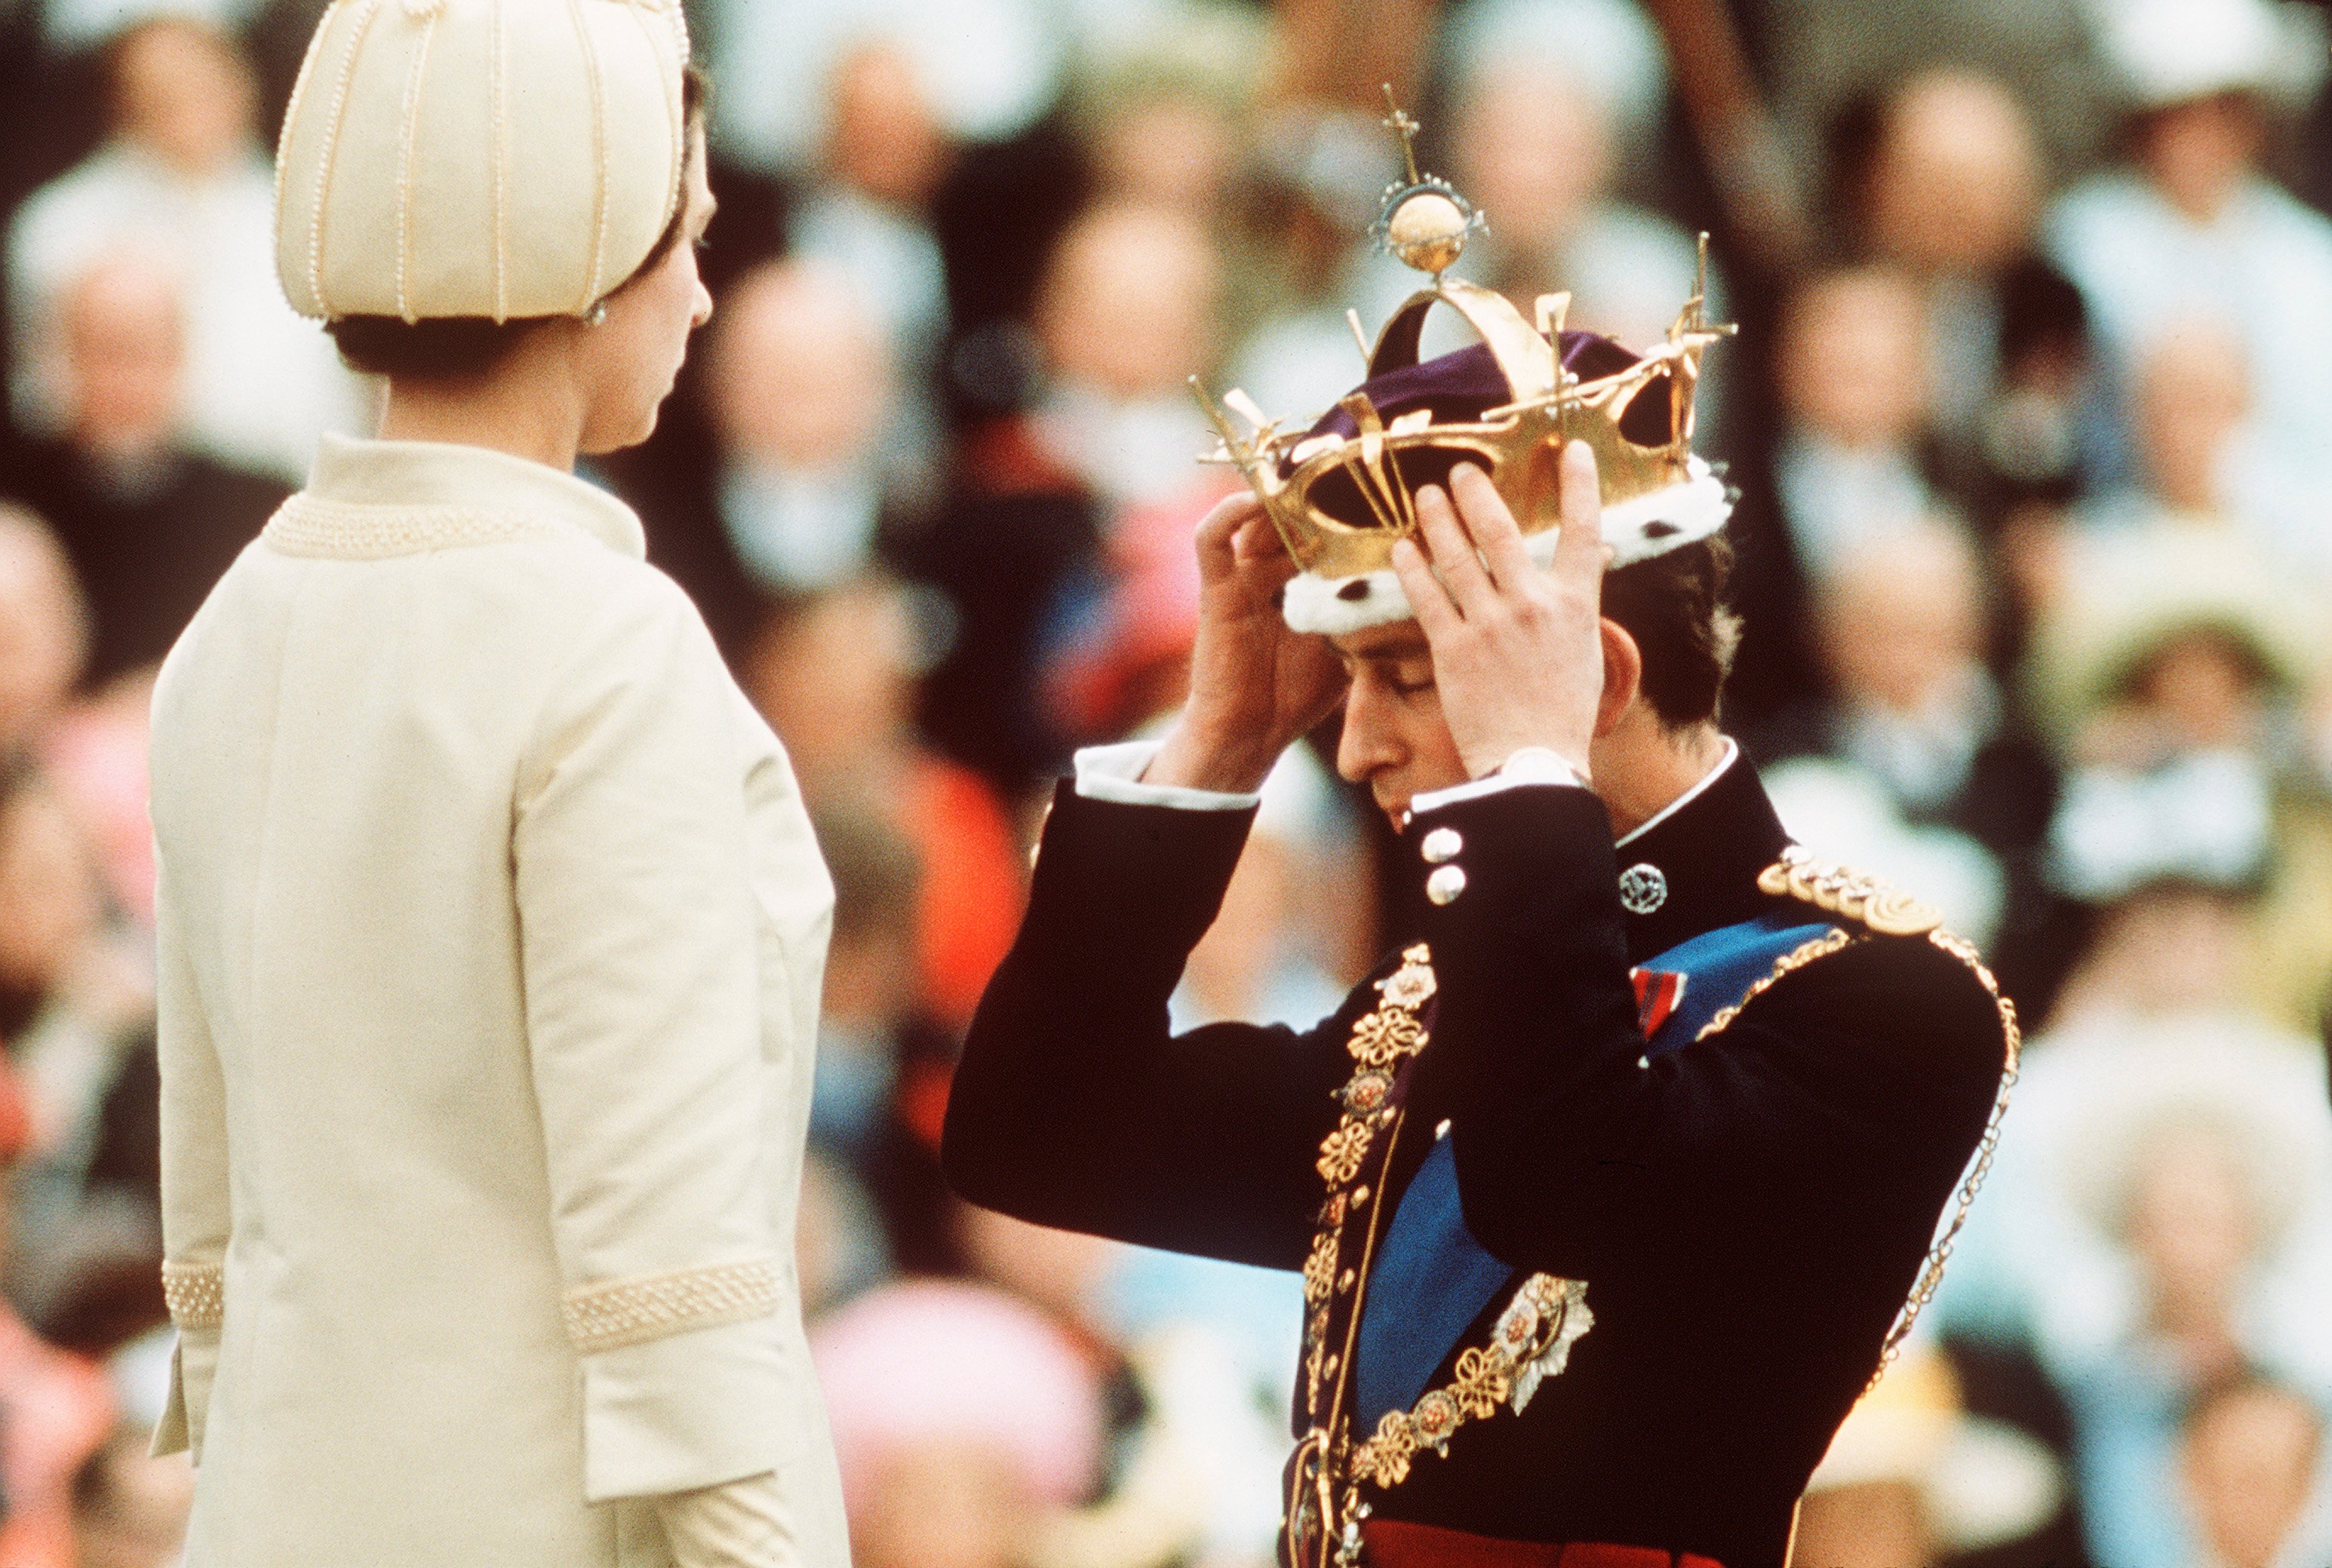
<point>1360,1195</point>
<point>1445,883</point>
<point>1345,1280</point>
<point>1329,1366</point>
<point>1440,845</point>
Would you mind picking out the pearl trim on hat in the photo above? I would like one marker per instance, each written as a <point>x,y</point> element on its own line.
<point>333,121</point>
<point>428,10</point>
<point>600,198</point>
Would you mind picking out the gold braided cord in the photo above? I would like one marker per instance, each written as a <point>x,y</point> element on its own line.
<point>1931,1273</point>
<point>1797,958</point>
<point>1840,890</point>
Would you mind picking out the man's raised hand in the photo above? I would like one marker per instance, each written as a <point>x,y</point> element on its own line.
<point>1255,685</point>
<point>1517,651</point>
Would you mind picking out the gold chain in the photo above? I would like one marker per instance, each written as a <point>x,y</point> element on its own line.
<point>1931,1273</point>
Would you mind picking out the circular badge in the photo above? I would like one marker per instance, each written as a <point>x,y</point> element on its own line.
<point>1642,889</point>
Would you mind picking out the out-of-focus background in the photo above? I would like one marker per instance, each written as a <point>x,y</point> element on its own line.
<point>2031,410</point>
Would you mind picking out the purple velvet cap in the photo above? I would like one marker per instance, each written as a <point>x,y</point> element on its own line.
<point>1460,387</point>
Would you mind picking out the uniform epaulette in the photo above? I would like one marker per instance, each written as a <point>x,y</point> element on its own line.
<point>1835,889</point>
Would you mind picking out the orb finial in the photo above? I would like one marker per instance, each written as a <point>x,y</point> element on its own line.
<point>1423,221</point>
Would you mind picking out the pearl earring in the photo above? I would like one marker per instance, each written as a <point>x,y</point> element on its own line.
<point>598,315</point>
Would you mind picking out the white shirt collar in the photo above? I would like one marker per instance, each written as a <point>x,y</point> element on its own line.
<point>1732,751</point>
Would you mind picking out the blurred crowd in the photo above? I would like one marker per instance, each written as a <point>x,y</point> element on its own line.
<point>2031,413</point>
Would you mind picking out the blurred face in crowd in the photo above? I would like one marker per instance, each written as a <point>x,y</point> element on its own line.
<point>835,680</point>
<point>800,374</point>
<point>1958,176</point>
<point>625,367</point>
<point>44,633</point>
<point>2193,393</point>
<point>2192,1226</point>
<point>2198,155</point>
<point>1128,308</point>
<point>185,93</point>
<point>1870,1525</point>
<point>50,908</point>
<point>1853,359</point>
<point>2170,950</point>
<point>882,137</point>
<point>1902,616</point>
<point>1172,150</point>
<point>1395,740</point>
<point>1536,152</point>
<point>2249,1463</point>
<point>122,331</point>
<point>2204,690</point>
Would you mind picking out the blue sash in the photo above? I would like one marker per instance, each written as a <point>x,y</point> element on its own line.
<point>1431,1278</point>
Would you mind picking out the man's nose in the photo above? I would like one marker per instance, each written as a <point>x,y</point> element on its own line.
<point>1364,746</point>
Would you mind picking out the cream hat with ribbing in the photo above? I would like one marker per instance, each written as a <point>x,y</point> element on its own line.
<point>479,157</point>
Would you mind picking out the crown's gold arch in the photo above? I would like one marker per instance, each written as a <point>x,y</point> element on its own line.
<point>1298,477</point>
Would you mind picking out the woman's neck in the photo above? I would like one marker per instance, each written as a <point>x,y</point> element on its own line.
<point>514,409</point>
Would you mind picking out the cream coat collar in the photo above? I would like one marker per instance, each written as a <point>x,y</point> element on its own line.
<point>438,476</point>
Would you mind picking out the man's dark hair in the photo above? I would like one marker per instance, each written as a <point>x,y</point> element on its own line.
<point>1674,606</point>
<point>462,348</point>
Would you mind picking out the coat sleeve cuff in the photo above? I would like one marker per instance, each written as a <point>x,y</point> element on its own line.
<point>193,1362</point>
<point>1113,773</point>
<point>687,1410</point>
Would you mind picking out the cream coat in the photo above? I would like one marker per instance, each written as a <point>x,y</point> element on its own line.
<point>492,928</point>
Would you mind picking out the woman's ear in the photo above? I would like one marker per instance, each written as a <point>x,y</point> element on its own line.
<point>1623,676</point>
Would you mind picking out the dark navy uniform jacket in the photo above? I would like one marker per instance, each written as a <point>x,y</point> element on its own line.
<point>1748,1211</point>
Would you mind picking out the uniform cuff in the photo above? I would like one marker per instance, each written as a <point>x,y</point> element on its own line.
<point>1533,764</point>
<point>687,1410</point>
<point>1113,773</point>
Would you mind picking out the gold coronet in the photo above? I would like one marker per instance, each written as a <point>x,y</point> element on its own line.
<point>1340,503</point>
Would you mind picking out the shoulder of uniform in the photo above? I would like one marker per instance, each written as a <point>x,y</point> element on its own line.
<point>1868,901</point>
<point>1880,908</point>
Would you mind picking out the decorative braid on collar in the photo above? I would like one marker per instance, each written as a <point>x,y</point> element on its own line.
<point>310,526</point>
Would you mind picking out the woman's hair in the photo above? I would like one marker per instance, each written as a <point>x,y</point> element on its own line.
<point>460,348</point>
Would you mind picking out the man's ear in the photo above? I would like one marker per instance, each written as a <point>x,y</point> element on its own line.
<point>1623,676</point>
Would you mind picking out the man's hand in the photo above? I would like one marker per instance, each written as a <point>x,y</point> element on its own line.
<point>1255,685</point>
<point>1517,652</point>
